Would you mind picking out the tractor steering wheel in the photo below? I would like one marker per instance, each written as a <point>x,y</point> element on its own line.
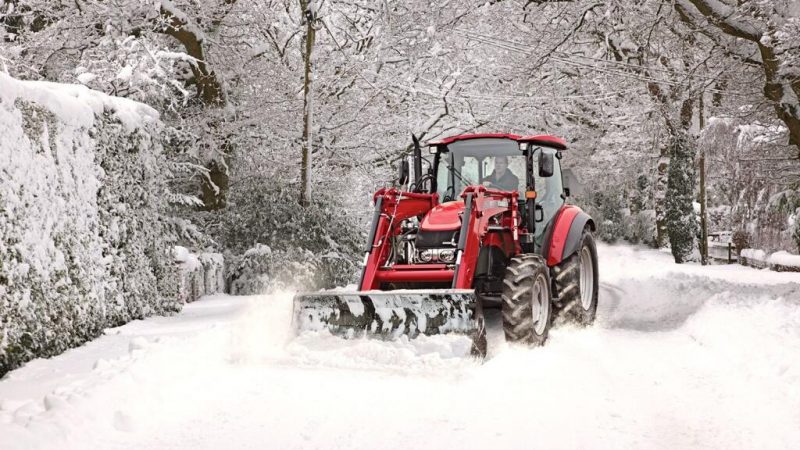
<point>449,194</point>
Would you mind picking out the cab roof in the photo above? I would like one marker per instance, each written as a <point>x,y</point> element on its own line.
<point>545,140</point>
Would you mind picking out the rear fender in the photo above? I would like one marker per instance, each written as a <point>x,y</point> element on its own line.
<point>565,233</point>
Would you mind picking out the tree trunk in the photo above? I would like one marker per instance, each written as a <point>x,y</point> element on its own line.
<point>703,213</point>
<point>306,163</point>
<point>680,216</point>
<point>779,91</point>
<point>662,175</point>
<point>209,88</point>
<point>214,186</point>
<point>662,237</point>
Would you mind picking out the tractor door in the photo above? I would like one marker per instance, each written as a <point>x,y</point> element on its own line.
<point>549,192</point>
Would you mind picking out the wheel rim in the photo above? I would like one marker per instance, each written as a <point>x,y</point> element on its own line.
<point>540,304</point>
<point>586,279</point>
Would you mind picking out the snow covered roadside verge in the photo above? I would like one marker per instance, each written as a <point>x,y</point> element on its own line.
<point>680,357</point>
<point>82,238</point>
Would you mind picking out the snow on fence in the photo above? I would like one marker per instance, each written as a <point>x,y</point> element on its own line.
<point>200,275</point>
<point>779,261</point>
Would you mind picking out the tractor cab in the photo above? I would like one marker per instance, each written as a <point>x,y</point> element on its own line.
<point>529,166</point>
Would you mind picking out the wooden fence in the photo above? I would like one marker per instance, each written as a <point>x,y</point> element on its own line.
<point>724,252</point>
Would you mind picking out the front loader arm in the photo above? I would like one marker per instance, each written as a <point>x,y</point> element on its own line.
<point>392,207</point>
<point>481,205</point>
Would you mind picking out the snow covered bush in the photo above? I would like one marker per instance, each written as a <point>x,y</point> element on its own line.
<point>641,228</point>
<point>82,237</point>
<point>741,239</point>
<point>781,261</point>
<point>199,274</point>
<point>753,257</point>
<point>262,269</point>
<point>213,272</point>
<point>265,224</point>
<point>622,212</point>
<point>796,234</point>
<point>607,208</point>
<point>784,262</point>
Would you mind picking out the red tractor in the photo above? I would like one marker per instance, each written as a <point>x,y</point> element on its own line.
<point>485,226</point>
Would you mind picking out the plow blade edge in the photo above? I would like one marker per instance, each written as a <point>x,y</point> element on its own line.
<point>391,314</point>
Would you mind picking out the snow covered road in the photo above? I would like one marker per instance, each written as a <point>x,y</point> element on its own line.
<point>680,356</point>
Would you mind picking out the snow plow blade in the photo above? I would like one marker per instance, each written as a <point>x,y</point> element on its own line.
<point>391,314</point>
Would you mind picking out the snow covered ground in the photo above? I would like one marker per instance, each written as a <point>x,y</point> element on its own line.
<point>680,357</point>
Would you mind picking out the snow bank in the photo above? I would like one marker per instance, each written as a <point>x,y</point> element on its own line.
<point>81,235</point>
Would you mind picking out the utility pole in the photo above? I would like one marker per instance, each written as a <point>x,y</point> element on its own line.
<point>309,11</point>
<point>703,213</point>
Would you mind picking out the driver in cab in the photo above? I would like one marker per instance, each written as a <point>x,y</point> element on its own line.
<point>501,177</point>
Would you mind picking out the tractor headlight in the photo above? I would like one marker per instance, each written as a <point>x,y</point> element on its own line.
<point>425,256</point>
<point>447,256</point>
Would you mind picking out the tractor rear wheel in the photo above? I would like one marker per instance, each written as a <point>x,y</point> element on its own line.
<point>527,309</point>
<point>576,283</point>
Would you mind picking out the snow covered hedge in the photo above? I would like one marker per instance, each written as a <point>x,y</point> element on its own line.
<point>82,237</point>
<point>779,261</point>
<point>199,275</point>
<point>784,262</point>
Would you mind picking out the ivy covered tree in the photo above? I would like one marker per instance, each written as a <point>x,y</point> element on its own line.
<point>680,216</point>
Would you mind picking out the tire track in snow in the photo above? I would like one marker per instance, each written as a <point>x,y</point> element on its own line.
<point>666,303</point>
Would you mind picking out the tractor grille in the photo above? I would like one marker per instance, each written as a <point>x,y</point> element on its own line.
<point>436,239</point>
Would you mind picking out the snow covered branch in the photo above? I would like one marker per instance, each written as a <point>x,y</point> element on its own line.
<point>782,88</point>
<point>725,17</point>
<point>178,25</point>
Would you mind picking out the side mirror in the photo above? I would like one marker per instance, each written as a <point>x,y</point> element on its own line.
<point>402,172</point>
<point>566,192</point>
<point>546,164</point>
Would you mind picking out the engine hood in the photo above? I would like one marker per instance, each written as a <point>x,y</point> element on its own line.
<point>443,217</point>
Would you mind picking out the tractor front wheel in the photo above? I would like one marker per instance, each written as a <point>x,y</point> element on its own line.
<point>527,309</point>
<point>576,283</point>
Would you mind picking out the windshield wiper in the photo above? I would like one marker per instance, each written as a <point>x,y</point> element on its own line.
<point>461,178</point>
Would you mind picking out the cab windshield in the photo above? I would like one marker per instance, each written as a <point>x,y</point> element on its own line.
<point>495,163</point>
